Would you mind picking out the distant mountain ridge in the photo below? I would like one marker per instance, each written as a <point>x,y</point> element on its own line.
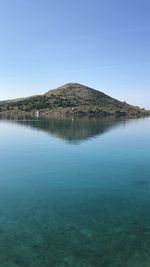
<point>71,99</point>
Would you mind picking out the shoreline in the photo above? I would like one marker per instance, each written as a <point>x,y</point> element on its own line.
<point>49,115</point>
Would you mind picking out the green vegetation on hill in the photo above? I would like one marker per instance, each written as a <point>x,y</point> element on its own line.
<point>72,99</point>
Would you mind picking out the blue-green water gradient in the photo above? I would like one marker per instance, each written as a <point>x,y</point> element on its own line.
<point>75,193</point>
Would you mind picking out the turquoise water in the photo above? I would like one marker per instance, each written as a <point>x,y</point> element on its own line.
<point>75,193</point>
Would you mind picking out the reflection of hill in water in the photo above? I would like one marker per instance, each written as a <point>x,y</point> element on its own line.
<point>72,130</point>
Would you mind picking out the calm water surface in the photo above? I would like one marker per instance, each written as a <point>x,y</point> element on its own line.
<point>75,193</point>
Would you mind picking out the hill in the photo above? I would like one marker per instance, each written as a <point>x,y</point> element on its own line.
<point>71,99</point>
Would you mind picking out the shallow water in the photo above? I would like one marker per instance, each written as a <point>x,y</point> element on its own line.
<point>75,193</point>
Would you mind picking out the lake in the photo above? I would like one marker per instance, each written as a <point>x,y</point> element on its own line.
<point>75,192</point>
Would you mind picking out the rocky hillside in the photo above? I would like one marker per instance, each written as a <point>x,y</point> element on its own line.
<point>72,99</point>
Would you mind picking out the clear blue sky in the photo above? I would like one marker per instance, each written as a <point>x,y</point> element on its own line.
<point>101,43</point>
